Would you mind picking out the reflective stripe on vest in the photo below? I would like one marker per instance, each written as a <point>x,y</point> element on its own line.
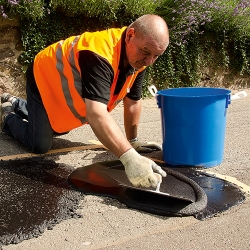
<point>64,81</point>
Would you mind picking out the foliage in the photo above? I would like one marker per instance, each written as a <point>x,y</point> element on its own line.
<point>108,11</point>
<point>24,9</point>
<point>202,32</point>
<point>214,32</point>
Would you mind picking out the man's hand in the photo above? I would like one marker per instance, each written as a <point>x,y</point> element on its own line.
<point>140,170</point>
<point>145,147</point>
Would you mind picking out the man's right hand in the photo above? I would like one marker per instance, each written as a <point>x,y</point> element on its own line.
<point>140,170</point>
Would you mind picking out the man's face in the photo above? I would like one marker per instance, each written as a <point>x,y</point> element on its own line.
<point>141,51</point>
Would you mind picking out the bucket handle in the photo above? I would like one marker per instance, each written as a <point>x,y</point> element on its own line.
<point>152,90</point>
<point>239,95</point>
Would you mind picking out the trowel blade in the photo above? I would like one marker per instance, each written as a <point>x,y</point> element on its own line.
<point>157,193</point>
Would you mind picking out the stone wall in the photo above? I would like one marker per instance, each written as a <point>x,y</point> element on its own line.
<point>225,79</point>
<point>12,77</point>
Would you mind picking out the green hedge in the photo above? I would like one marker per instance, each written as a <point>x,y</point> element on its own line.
<point>202,32</point>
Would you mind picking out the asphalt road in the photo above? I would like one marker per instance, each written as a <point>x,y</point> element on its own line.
<point>109,224</point>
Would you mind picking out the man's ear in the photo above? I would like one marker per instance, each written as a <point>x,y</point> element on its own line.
<point>129,34</point>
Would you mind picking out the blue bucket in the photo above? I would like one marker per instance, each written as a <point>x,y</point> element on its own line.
<point>193,125</point>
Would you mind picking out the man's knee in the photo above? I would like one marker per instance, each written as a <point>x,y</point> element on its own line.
<point>41,148</point>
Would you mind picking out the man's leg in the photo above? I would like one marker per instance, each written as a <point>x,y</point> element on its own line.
<point>30,124</point>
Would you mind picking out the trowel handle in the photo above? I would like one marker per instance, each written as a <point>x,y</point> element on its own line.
<point>158,187</point>
<point>239,95</point>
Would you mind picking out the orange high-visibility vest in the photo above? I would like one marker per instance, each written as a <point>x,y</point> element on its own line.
<point>58,76</point>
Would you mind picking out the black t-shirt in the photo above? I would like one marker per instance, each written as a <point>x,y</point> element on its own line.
<point>97,77</point>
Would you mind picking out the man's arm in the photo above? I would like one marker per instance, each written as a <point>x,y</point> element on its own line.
<point>105,128</point>
<point>132,111</point>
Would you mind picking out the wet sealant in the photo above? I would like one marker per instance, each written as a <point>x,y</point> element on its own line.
<point>178,196</point>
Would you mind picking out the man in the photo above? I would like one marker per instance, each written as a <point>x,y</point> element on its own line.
<point>80,80</point>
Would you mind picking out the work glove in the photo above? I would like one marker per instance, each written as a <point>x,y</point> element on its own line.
<point>145,147</point>
<point>140,170</point>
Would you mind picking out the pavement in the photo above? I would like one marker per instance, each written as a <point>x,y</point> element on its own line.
<point>108,224</point>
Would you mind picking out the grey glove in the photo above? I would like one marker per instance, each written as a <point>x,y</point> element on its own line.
<point>140,170</point>
<point>145,147</point>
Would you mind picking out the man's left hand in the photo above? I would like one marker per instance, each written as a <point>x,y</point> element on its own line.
<point>145,147</point>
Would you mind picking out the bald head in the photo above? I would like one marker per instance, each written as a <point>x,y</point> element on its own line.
<point>154,26</point>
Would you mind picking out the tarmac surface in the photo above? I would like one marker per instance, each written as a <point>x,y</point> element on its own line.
<point>108,224</point>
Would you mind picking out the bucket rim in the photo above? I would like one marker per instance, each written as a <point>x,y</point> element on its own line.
<point>163,92</point>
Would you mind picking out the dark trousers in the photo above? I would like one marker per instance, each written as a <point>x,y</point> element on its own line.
<point>30,124</point>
